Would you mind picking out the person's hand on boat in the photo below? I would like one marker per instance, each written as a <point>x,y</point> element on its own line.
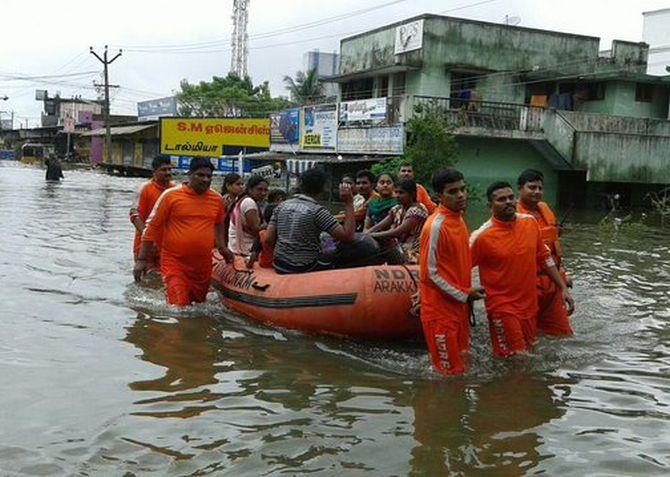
<point>346,194</point>
<point>139,270</point>
<point>227,255</point>
<point>251,259</point>
<point>477,293</point>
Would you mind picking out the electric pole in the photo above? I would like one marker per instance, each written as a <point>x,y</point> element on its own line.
<point>108,133</point>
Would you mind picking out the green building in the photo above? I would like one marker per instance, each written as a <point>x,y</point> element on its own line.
<point>592,121</point>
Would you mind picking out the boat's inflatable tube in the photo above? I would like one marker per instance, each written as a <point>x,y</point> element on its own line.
<point>371,303</point>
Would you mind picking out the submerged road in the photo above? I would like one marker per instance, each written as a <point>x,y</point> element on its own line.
<point>99,377</point>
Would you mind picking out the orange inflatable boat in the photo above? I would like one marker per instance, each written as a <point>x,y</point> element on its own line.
<point>371,303</point>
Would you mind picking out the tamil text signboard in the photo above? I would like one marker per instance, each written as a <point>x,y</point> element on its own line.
<point>207,136</point>
<point>380,140</point>
<point>285,130</point>
<point>408,37</point>
<point>373,109</point>
<point>319,127</point>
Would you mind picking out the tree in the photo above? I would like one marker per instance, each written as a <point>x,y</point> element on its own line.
<point>229,96</point>
<point>430,146</point>
<point>305,88</point>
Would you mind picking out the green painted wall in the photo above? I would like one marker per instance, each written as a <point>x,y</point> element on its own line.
<point>484,160</point>
<point>620,100</point>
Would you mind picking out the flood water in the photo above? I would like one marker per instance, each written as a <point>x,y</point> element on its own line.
<point>100,377</point>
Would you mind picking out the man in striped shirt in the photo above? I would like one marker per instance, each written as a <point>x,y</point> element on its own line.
<point>296,225</point>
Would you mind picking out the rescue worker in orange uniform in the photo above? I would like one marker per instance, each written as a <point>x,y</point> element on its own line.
<point>406,173</point>
<point>187,221</point>
<point>509,251</point>
<point>445,276</point>
<point>145,198</point>
<point>552,319</point>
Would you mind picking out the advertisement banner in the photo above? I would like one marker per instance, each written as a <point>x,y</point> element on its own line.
<point>155,108</point>
<point>319,127</point>
<point>363,110</point>
<point>382,140</point>
<point>207,136</point>
<point>408,37</point>
<point>285,130</point>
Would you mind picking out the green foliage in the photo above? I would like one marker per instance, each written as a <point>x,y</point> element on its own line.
<point>305,88</point>
<point>229,96</point>
<point>431,144</point>
<point>391,166</point>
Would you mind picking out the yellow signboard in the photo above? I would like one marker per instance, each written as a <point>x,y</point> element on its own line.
<point>207,136</point>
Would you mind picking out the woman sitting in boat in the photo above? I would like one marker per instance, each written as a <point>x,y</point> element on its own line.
<point>379,208</point>
<point>401,228</point>
<point>233,185</point>
<point>245,218</point>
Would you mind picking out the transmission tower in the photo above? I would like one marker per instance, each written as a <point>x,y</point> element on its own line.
<point>239,43</point>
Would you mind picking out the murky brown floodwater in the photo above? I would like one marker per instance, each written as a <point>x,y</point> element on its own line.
<point>99,377</point>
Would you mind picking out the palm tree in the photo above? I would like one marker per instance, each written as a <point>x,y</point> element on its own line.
<point>305,88</point>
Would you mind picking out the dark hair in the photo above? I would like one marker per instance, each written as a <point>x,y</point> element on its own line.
<point>277,194</point>
<point>496,186</point>
<point>390,176</point>
<point>199,163</point>
<point>406,164</point>
<point>267,213</point>
<point>529,175</point>
<point>160,161</point>
<point>368,174</point>
<point>443,177</point>
<point>254,180</point>
<point>312,181</point>
<point>230,179</point>
<point>349,176</point>
<point>408,186</point>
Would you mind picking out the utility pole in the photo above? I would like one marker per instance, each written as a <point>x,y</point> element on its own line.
<point>108,133</point>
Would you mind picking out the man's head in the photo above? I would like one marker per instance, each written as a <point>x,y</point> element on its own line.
<point>531,187</point>
<point>406,172</point>
<point>276,196</point>
<point>349,180</point>
<point>200,174</point>
<point>312,182</point>
<point>449,185</point>
<point>502,201</point>
<point>162,168</point>
<point>365,181</point>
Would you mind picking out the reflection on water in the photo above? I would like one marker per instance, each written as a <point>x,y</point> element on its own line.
<point>100,377</point>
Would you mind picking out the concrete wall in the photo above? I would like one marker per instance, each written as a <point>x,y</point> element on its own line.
<point>620,100</point>
<point>484,161</point>
<point>608,123</point>
<point>620,157</point>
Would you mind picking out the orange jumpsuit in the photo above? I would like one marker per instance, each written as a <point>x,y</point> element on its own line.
<point>143,202</point>
<point>423,197</point>
<point>509,255</point>
<point>445,282</point>
<point>553,317</point>
<point>183,222</point>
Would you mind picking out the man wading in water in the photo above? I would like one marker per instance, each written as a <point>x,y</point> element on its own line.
<point>509,251</point>
<point>187,220</point>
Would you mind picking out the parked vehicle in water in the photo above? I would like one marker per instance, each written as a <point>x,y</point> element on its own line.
<point>34,153</point>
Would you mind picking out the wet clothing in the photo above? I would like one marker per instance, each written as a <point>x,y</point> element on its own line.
<point>417,215</point>
<point>54,170</point>
<point>240,241</point>
<point>553,316</point>
<point>423,197</point>
<point>445,284</point>
<point>509,256</point>
<point>379,208</point>
<point>183,222</point>
<point>299,223</point>
<point>143,203</point>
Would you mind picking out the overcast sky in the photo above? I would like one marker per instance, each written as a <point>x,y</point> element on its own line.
<point>52,38</point>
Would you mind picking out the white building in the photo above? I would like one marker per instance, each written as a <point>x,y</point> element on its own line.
<point>656,33</point>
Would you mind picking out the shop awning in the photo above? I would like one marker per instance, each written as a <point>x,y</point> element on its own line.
<point>119,130</point>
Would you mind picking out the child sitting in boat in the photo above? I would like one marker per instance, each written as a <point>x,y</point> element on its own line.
<point>400,230</point>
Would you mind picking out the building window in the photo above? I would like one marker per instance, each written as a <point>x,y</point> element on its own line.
<point>383,86</point>
<point>399,84</point>
<point>643,92</point>
<point>595,91</point>
<point>357,89</point>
